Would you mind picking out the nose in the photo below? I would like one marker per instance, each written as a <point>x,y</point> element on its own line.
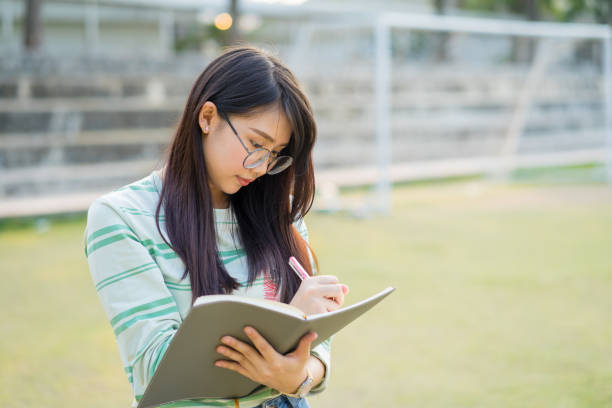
<point>260,170</point>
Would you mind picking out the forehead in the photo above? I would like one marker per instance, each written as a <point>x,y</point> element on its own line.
<point>272,121</point>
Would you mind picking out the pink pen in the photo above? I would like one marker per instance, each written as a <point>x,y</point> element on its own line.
<point>301,272</point>
<point>298,269</point>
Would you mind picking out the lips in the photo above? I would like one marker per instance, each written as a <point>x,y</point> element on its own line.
<point>244,182</point>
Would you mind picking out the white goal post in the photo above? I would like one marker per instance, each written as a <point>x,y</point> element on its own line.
<point>385,172</point>
<point>386,21</point>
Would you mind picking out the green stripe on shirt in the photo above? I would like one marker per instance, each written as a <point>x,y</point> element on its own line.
<point>234,252</point>
<point>106,230</point>
<point>162,250</point>
<point>110,240</point>
<point>140,308</point>
<point>120,329</point>
<point>173,286</point>
<point>118,276</point>
<point>230,260</point>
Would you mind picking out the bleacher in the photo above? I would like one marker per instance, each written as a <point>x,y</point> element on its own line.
<point>71,130</point>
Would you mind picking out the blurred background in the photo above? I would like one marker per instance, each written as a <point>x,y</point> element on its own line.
<point>464,156</point>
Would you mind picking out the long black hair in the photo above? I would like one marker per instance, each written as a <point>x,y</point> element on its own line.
<point>240,81</point>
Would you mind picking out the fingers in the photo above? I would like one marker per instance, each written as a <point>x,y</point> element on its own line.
<point>331,305</point>
<point>312,294</point>
<point>239,364</point>
<point>248,352</point>
<point>234,367</point>
<point>324,279</point>
<point>330,283</point>
<point>332,291</point>
<point>265,349</point>
<point>231,354</point>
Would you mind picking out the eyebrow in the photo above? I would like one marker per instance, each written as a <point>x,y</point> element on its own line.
<point>266,136</point>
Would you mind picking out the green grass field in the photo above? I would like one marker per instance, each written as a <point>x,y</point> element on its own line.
<point>504,299</point>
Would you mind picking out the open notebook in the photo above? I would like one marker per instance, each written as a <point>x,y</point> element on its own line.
<point>187,369</point>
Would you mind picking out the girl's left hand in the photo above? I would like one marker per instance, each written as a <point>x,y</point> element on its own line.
<point>264,364</point>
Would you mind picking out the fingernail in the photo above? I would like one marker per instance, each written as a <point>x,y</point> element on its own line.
<point>248,330</point>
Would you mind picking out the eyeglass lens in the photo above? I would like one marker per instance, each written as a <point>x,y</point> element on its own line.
<point>276,165</point>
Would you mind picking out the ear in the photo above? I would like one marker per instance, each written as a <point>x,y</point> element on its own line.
<point>207,117</point>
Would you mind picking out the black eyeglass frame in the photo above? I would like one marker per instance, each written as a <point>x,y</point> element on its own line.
<point>271,164</point>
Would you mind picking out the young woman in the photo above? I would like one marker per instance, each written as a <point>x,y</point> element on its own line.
<point>222,216</point>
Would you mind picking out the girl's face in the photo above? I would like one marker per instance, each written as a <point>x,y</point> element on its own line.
<point>224,154</point>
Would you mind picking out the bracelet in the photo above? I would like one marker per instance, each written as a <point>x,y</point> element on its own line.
<point>304,386</point>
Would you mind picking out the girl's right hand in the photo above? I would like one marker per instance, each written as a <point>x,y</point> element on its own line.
<point>319,294</point>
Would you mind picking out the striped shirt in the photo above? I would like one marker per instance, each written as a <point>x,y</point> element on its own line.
<point>138,279</point>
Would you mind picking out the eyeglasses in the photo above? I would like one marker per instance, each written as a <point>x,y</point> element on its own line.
<point>260,155</point>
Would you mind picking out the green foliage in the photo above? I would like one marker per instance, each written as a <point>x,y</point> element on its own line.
<point>603,11</point>
<point>565,11</point>
<point>556,10</point>
<point>195,35</point>
<point>481,5</point>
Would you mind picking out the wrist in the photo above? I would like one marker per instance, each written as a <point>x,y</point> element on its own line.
<point>305,385</point>
<point>317,368</point>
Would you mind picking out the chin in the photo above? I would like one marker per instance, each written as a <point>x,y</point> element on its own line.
<point>233,189</point>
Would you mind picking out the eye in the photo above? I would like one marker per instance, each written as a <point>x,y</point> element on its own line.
<point>254,144</point>
<point>283,149</point>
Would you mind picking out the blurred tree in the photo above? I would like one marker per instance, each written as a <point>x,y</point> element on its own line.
<point>522,47</point>
<point>234,32</point>
<point>440,6</point>
<point>193,37</point>
<point>602,10</point>
<point>531,9</point>
<point>557,10</point>
<point>32,29</point>
<point>566,10</point>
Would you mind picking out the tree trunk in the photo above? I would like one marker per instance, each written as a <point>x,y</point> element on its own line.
<point>533,14</point>
<point>444,37</point>
<point>234,34</point>
<point>32,27</point>
<point>523,48</point>
<point>532,10</point>
<point>440,6</point>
